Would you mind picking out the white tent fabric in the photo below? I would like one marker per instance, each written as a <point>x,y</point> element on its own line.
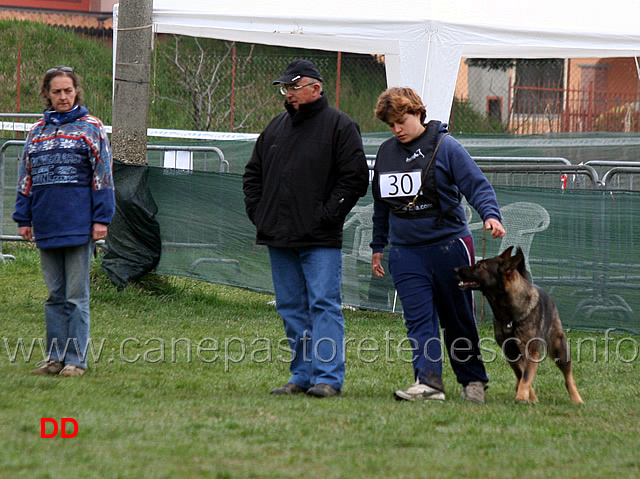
<point>422,40</point>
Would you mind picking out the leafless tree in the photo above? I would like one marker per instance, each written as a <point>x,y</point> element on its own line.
<point>207,77</point>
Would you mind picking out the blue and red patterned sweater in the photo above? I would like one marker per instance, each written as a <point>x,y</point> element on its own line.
<point>65,181</point>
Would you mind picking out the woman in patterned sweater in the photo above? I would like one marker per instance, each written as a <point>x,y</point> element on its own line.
<point>65,202</point>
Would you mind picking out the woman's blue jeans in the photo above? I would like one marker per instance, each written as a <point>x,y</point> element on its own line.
<point>307,285</point>
<point>66,310</point>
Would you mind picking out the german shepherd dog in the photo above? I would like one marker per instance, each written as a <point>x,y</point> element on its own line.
<point>526,324</point>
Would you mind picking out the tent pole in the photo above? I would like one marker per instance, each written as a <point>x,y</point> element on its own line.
<point>338,74</point>
<point>426,62</point>
<point>233,87</point>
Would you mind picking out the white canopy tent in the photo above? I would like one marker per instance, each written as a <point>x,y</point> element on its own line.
<point>422,40</point>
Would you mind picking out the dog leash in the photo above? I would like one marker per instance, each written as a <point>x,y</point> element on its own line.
<point>484,243</point>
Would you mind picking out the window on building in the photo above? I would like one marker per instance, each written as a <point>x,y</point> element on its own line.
<point>538,87</point>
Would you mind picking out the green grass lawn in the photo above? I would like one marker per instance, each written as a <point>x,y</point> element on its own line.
<point>179,382</point>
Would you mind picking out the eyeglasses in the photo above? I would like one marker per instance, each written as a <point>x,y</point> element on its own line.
<point>60,69</point>
<point>284,89</point>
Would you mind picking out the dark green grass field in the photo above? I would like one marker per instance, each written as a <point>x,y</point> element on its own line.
<point>179,382</point>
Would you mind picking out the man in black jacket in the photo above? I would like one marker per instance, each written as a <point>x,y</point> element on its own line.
<point>307,171</point>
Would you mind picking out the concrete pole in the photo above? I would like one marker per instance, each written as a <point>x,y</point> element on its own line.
<point>132,76</point>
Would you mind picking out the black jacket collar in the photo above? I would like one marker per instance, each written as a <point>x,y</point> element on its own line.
<point>307,110</point>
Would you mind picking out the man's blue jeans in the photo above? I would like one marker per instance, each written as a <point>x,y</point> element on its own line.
<point>66,311</point>
<point>307,287</point>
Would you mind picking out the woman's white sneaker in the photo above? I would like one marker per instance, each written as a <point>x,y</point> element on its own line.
<point>419,392</point>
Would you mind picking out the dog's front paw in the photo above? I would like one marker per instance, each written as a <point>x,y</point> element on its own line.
<point>527,396</point>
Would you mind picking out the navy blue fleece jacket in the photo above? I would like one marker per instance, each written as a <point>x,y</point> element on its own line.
<point>65,181</point>
<point>455,172</point>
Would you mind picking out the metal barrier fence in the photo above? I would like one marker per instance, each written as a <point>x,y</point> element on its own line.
<point>16,129</point>
<point>624,173</point>
<point>174,157</point>
<point>538,172</point>
<point>183,158</point>
<point>3,149</point>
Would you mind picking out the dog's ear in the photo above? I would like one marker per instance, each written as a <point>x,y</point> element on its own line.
<point>519,254</point>
<point>513,263</point>
<point>522,264</point>
<point>506,254</point>
<point>516,263</point>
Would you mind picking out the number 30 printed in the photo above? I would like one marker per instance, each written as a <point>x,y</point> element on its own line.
<point>394,185</point>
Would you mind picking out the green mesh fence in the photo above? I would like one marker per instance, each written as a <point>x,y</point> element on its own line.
<point>205,231</point>
<point>585,257</point>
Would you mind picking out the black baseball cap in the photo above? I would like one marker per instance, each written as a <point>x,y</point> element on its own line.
<point>298,69</point>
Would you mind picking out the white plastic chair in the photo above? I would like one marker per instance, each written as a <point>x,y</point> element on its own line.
<point>361,220</point>
<point>523,220</point>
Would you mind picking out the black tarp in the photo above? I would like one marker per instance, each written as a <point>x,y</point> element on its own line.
<point>133,245</point>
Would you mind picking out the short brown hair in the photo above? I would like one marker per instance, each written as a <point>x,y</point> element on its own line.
<point>395,102</point>
<point>60,71</point>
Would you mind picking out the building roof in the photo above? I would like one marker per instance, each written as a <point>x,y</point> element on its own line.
<point>62,18</point>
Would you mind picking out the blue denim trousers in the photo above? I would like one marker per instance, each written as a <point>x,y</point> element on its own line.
<point>428,289</point>
<point>66,310</point>
<point>307,285</point>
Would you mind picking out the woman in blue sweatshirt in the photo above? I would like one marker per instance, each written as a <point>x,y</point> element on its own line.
<point>65,202</point>
<point>417,209</point>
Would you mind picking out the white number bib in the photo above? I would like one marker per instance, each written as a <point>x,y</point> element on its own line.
<point>396,185</point>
